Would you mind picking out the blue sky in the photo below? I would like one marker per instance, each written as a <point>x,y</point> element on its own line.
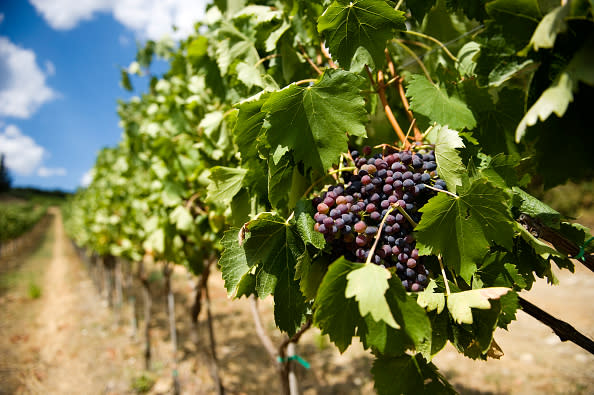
<point>59,79</point>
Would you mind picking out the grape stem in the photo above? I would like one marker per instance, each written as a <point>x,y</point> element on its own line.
<point>377,235</point>
<point>445,278</point>
<point>442,191</point>
<point>430,38</point>
<point>411,118</point>
<point>311,63</point>
<point>264,59</point>
<point>408,218</point>
<point>190,204</point>
<point>380,88</point>
<point>409,114</point>
<point>416,58</point>
<point>307,80</point>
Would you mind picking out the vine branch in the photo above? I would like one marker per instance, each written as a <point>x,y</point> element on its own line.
<point>311,63</point>
<point>377,235</point>
<point>565,331</point>
<point>416,58</point>
<point>430,38</point>
<point>380,87</point>
<point>398,80</point>
<point>294,339</point>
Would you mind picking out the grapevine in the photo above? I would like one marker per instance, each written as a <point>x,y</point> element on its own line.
<point>243,153</point>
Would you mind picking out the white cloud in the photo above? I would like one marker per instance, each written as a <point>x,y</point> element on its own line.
<point>23,155</point>
<point>51,171</point>
<point>148,18</point>
<point>87,178</point>
<point>22,82</point>
<point>50,69</point>
<point>66,14</point>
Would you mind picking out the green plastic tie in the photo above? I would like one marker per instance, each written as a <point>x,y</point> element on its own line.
<point>175,374</point>
<point>297,358</point>
<point>580,256</point>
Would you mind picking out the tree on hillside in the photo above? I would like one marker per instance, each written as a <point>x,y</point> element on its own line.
<point>5,179</point>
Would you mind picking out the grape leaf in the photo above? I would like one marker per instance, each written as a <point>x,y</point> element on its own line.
<point>272,40</point>
<point>259,13</point>
<point>530,205</point>
<point>509,306</point>
<point>226,183</point>
<point>411,317</point>
<point>556,98</point>
<point>198,47</point>
<point>280,176</point>
<point>434,103</point>
<point>474,340</point>
<point>314,121</point>
<point>235,46</point>
<point>500,170</point>
<point>430,300</point>
<point>310,274</point>
<point>368,285</point>
<point>552,24</point>
<point>348,25</point>
<point>249,124</point>
<point>408,374</point>
<point>233,262</point>
<point>449,163</point>
<point>397,375</point>
<point>250,75</point>
<point>419,8</point>
<point>466,58</point>
<point>461,303</point>
<point>498,271</point>
<point>182,218</point>
<point>462,228</point>
<point>304,213</point>
<point>334,314</point>
<point>540,248</point>
<point>383,338</point>
<point>517,18</point>
<point>275,246</point>
<point>155,241</point>
<point>577,233</point>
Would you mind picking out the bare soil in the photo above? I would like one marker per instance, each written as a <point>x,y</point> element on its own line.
<point>69,342</point>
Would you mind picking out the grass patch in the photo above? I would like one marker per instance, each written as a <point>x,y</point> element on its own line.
<point>23,273</point>
<point>143,383</point>
<point>34,291</point>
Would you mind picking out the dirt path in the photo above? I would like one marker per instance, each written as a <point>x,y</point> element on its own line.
<point>67,345</point>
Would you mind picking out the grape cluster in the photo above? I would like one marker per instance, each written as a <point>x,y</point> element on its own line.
<point>349,215</point>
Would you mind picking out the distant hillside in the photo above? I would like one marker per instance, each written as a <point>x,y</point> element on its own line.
<point>34,194</point>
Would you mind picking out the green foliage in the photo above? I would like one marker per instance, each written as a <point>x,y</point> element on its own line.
<point>17,218</point>
<point>348,25</point>
<point>433,102</point>
<point>477,218</point>
<point>312,121</point>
